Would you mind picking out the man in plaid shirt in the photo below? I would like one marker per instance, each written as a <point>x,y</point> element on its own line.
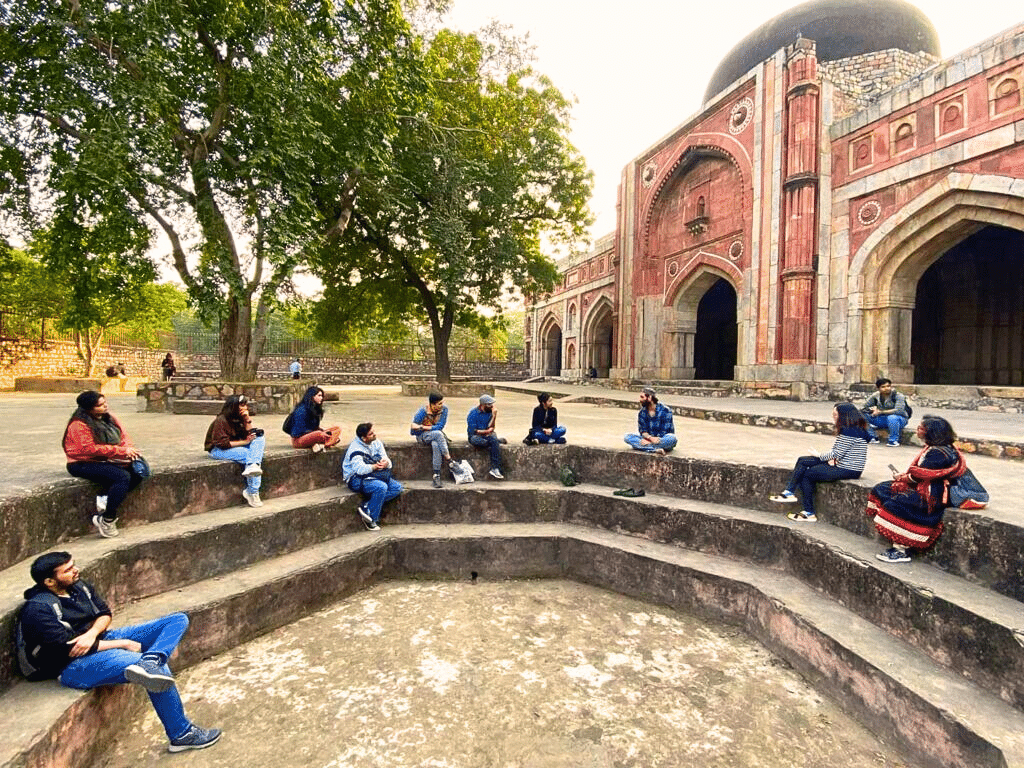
<point>654,424</point>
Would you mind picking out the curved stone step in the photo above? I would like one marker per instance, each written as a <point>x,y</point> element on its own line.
<point>897,691</point>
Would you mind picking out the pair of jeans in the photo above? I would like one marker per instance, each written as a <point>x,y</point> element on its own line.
<point>892,422</point>
<point>244,455</point>
<point>379,491</point>
<point>557,435</point>
<point>811,470</point>
<point>668,442</point>
<point>491,443</point>
<point>116,480</point>
<point>438,446</point>
<point>107,667</point>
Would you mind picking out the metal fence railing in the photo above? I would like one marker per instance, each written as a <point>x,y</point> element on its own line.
<point>39,331</point>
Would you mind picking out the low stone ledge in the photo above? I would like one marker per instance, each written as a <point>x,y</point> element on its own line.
<point>197,407</point>
<point>269,396</point>
<point>71,385</point>
<point>451,389</point>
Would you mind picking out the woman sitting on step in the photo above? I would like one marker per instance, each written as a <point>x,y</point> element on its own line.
<point>232,437</point>
<point>845,461</point>
<point>98,449</point>
<point>908,509</point>
<point>303,424</point>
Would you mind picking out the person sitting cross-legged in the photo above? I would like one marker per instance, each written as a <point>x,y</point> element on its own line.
<point>65,628</point>
<point>656,433</point>
<point>545,428</point>
<point>366,469</point>
<point>428,429</point>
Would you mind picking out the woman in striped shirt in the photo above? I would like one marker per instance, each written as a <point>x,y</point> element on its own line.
<point>845,461</point>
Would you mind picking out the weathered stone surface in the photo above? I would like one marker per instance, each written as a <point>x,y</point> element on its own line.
<point>451,389</point>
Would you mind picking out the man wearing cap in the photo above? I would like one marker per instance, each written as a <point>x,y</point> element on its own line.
<point>480,424</point>
<point>654,422</point>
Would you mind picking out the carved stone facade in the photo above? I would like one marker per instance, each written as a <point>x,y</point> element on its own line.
<point>824,222</point>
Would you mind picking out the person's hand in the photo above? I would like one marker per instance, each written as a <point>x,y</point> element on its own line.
<point>80,645</point>
<point>547,431</point>
<point>131,645</point>
<point>875,411</point>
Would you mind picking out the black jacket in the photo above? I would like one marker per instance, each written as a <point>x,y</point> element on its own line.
<point>48,625</point>
<point>544,418</point>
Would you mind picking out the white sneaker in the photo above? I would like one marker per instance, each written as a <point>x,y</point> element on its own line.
<point>253,498</point>
<point>318,447</point>
<point>496,474</point>
<point>101,504</point>
<point>252,470</point>
<point>106,528</point>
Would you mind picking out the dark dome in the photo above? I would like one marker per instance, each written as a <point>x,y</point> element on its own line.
<point>840,28</point>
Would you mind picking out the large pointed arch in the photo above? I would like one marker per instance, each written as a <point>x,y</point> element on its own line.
<point>597,351</point>
<point>550,339</point>
<point>679,344</point>
<point>885,270</point>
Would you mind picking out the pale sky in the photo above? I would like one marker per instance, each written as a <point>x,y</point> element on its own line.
<point>638,71</point>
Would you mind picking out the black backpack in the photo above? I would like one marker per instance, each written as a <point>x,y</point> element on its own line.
<point>28,657</point>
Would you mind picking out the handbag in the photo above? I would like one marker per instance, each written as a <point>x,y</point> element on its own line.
<point>967,492</point>
<point>141,468</point>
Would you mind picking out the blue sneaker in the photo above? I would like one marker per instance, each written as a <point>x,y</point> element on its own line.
<point>149,672</point>
<point>893,555</point>
<point>195,738</point>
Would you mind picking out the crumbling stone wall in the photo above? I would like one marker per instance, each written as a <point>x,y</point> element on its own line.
<point>859,80</point>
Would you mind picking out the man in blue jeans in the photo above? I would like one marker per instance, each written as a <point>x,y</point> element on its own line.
<point>480,425</point>
<point>887,409</point>
<point>65,634</point>
<point>366,469</point>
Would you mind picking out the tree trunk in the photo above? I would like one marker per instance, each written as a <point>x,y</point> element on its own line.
<point>441,330</point>
<point>236,363</point>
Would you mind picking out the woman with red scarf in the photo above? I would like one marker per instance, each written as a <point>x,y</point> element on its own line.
<point>908,509</point>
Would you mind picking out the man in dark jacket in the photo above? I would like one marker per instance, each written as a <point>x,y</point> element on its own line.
<point>65,633</point>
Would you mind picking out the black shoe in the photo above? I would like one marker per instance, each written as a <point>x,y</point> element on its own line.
<point>529,441</point>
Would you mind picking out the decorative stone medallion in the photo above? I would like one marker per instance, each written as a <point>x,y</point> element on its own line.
<point>741,115</point>
<point>648,174</point>
<point>736,250</point>
<point>673,269</point>
<point>868,213</point>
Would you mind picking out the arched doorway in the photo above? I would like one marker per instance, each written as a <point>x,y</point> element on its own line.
<point>598,339</point>
<point>714,346</point>
<point>968,319</point>
<point>552,350</point>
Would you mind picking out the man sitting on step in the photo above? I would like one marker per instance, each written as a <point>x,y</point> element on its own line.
<point>366,469</point>
<point>63,632</point>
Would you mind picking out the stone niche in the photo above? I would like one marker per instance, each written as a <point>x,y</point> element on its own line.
<point>268,396</point>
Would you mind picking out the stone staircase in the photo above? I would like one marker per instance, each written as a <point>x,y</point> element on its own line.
<point>929,657</point>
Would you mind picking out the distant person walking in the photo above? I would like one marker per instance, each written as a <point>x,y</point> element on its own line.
<point>304,427</point>
<point>99,450</point>
<point>845,461</point>
<point>655,430</point>
<point>65,625</point>
<point>296,368</point>
<point>168,367</point>
<point>232,437</point>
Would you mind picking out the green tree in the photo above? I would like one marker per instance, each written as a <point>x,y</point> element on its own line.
<point>236,129</point>
<point>482,174</point>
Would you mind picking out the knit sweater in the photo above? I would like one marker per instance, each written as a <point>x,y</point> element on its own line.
<point>850,450</point>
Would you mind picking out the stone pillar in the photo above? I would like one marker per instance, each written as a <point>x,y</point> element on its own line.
<point>799,204</point>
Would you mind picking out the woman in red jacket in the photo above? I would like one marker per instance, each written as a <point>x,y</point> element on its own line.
<point>98,449</point>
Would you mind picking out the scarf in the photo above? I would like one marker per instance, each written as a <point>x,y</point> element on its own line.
<point>922,478</point>
<point>104,430</point>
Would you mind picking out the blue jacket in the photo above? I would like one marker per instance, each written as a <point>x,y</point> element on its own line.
<point>421,414</point>
<point>477,419</point>
<point>305,421</point>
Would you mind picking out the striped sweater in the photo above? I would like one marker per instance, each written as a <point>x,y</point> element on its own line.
<point>850,450</point>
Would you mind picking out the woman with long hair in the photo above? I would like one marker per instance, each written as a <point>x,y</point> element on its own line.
<point>232,437</point>
<point>845,461</point>
<point>908,509</point>
<point>98,449</point>
<point>304,423</point>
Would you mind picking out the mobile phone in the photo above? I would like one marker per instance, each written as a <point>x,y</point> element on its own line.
<point>893,469</point>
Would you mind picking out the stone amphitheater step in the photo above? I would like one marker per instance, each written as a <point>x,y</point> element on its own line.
<point>896,690</point>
